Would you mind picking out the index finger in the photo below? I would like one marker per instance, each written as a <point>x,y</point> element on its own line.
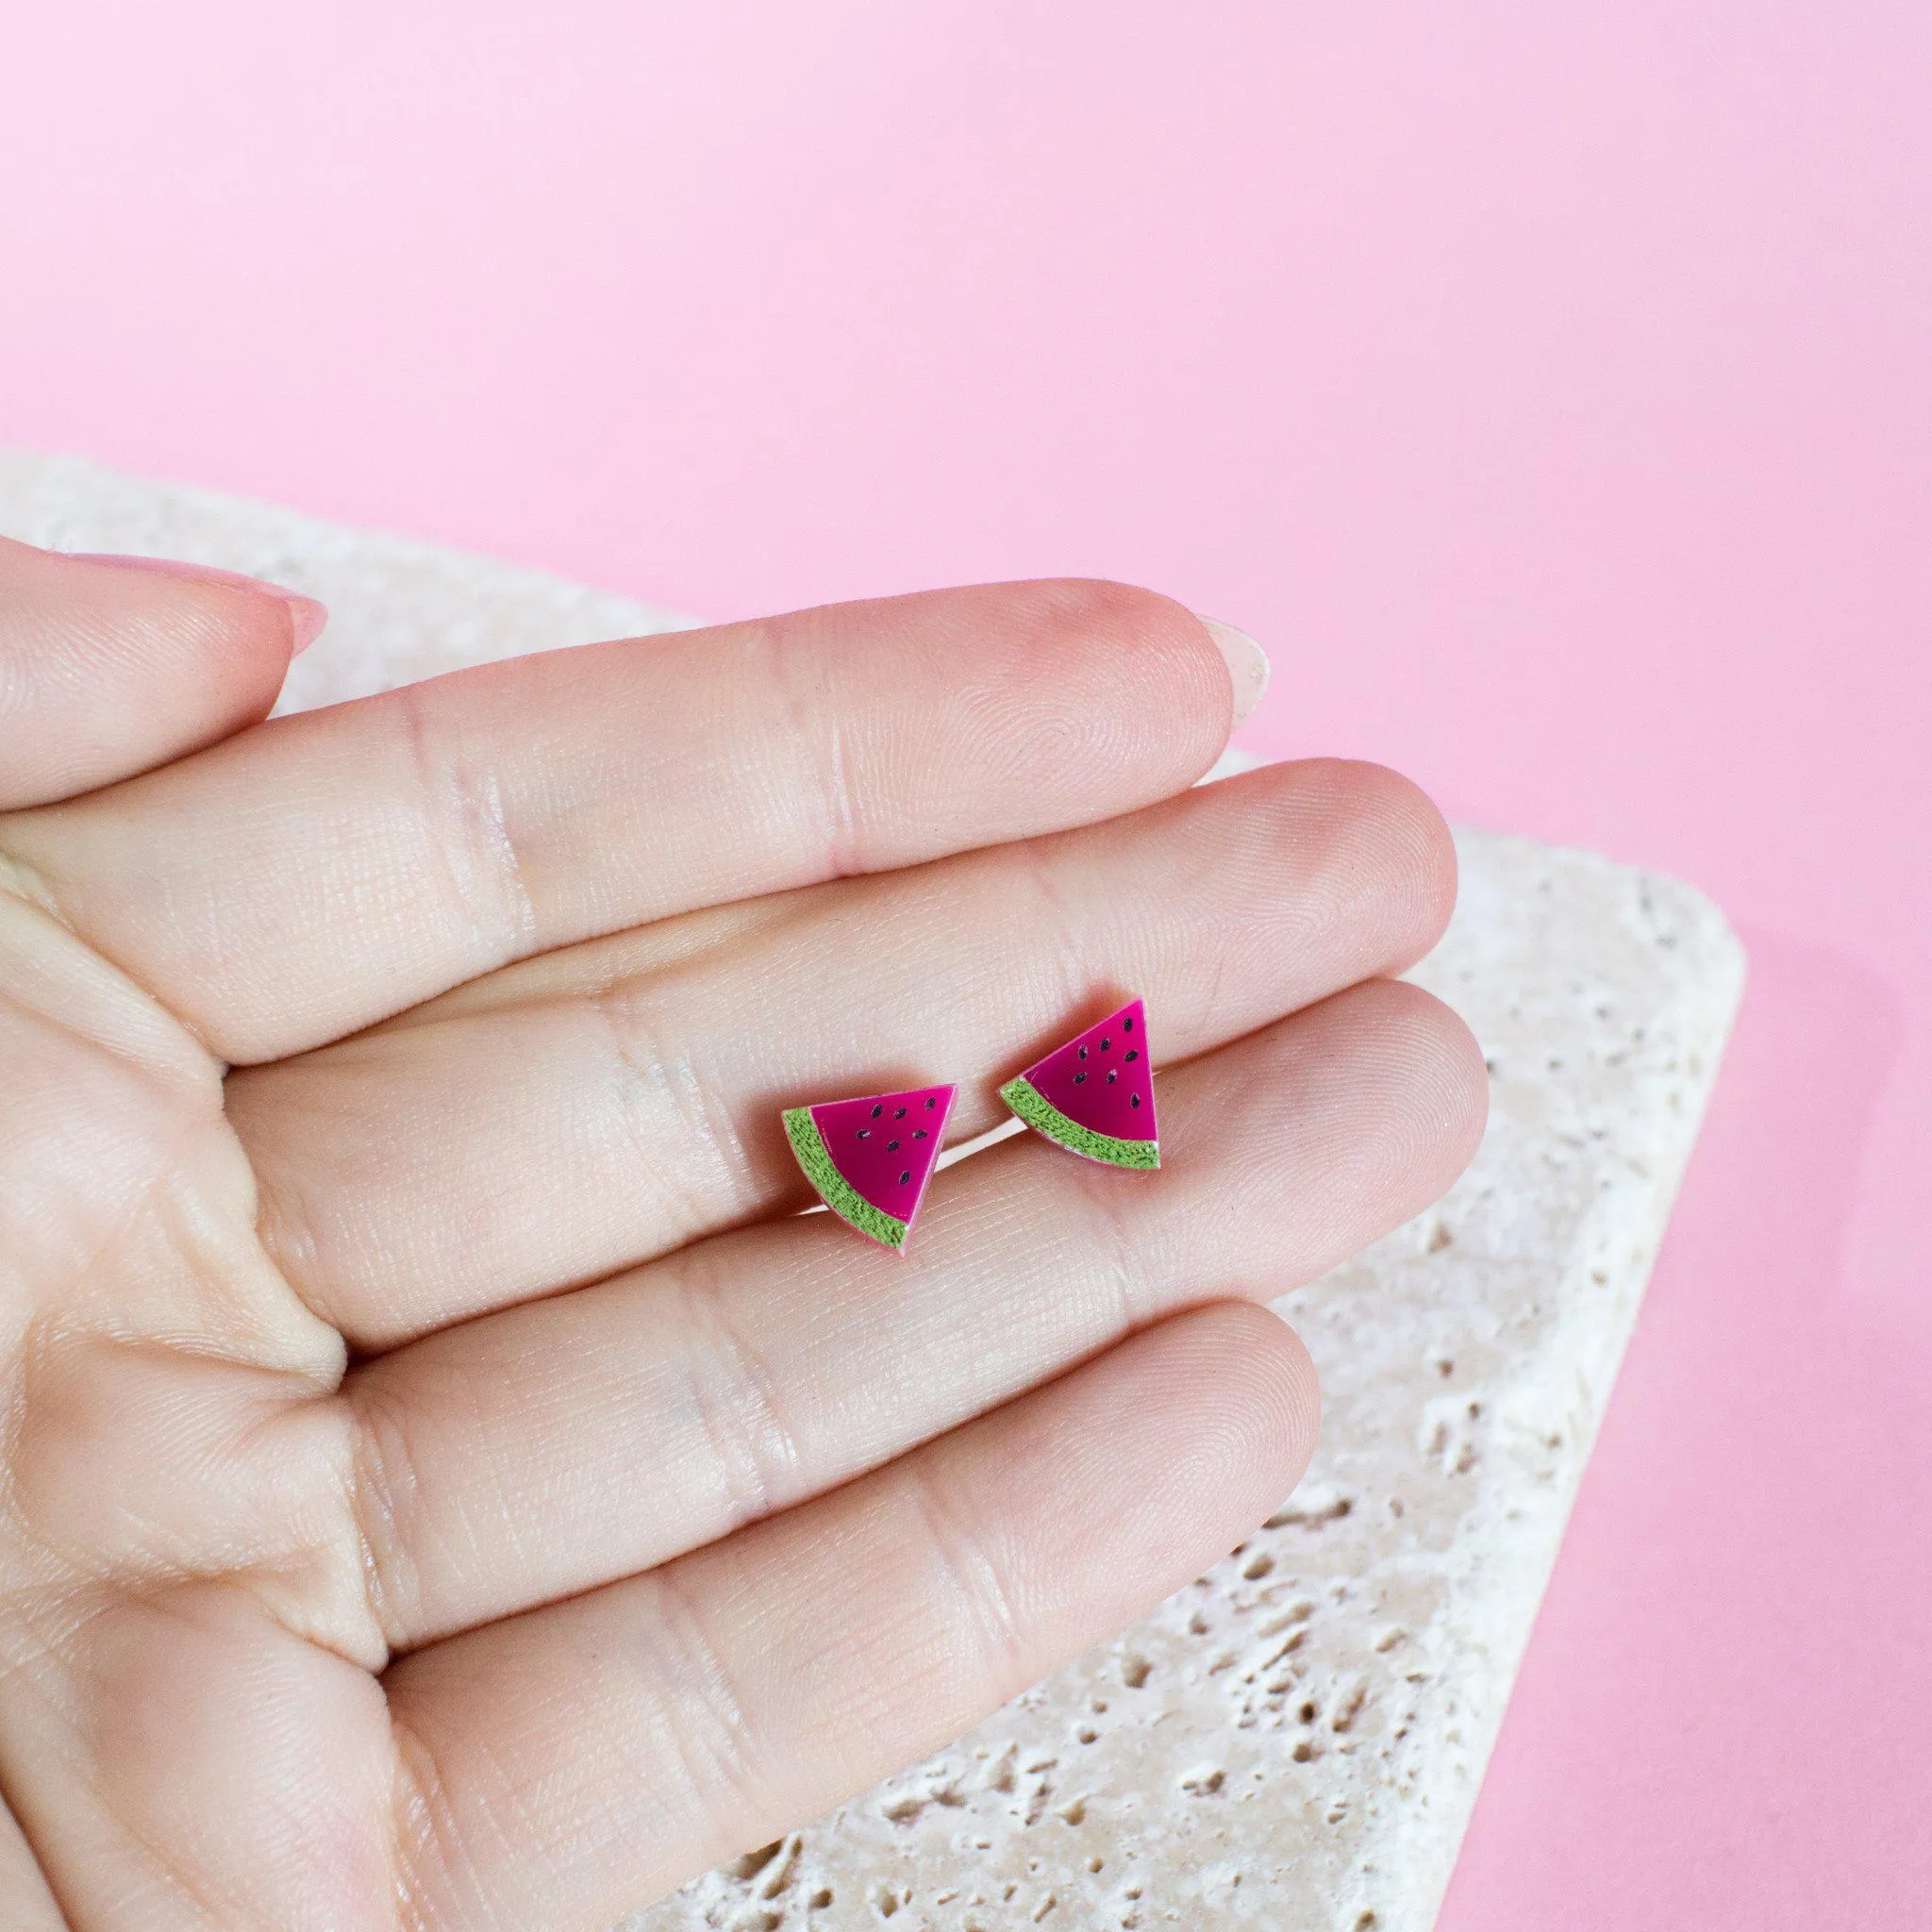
<point>322,872</point>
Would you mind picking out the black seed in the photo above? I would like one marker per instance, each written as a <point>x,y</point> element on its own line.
<point>1134,1054</point>
<point>906,1176</point>
<point>1083,1052</point>
<point>1104,1042</point>
<point>876,1111</point>
<point>1127,1025</point>
<point>1135,1098</point>
<point>865,1133</point>
<point>891,1147</point>
<point>933,1102</point>
<point>900,1115</point>
<point>1078,1077</point>
<point>1113,1073</point>
<point>919,1133</point>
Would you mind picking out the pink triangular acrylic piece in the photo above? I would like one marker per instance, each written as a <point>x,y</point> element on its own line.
<point>870,1158</point>
<point>1095,1094</point>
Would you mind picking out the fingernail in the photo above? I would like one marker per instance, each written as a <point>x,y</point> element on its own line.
<point>306,616</point>
<point>1247,665</point>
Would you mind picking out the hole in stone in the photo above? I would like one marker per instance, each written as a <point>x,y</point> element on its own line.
<point>1134,1671</point>
<point>821,1898</point>
<point>754,1862</point>
<point>1257,1566</point>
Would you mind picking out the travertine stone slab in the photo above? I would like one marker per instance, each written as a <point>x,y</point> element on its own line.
<point>1294,1741</point>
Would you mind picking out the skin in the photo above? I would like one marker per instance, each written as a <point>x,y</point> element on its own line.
<point>446,1484</point>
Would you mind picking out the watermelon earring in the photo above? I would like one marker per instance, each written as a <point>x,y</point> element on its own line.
<point>871,1159</point>
<point>1095,1094</point>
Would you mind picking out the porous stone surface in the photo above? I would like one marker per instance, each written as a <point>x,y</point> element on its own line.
<point>1294,1741</point>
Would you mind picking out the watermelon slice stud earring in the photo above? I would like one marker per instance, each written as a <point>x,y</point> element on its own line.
<point>871,1159</point>
<point>1095,1094</point>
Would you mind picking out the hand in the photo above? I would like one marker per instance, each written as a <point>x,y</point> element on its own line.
<point>446,1484</point>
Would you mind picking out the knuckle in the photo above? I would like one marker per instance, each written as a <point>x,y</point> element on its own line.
<point>707,1728</point>
<point>665,1100</point>
<point>982,1602</point>
<point>734,1397</point>
<point>382,1493</point>
<point>465,819</point>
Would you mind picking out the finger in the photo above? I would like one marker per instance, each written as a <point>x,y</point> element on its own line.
<point>110,666</point>
<point>304,879</point>
<point>572,1764</point>
<point>569,1442</point>
<point>587,1110</point>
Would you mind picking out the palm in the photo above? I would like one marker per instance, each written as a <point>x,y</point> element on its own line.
<point>447,1484</point>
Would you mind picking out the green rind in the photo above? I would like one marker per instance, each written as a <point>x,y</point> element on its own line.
<point>835,1191</point>
<point>1043,1117</point>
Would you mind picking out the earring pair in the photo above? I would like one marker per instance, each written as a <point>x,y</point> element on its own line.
<point>870,1158</point>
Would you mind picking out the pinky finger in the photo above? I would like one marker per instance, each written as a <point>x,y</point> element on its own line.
<point>643,1732</point>
<point>112,665</point>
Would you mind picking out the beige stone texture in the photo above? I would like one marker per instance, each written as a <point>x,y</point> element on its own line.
<point>1294,1741</point>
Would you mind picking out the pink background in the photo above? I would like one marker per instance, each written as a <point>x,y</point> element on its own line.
<point>1550,387</point>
